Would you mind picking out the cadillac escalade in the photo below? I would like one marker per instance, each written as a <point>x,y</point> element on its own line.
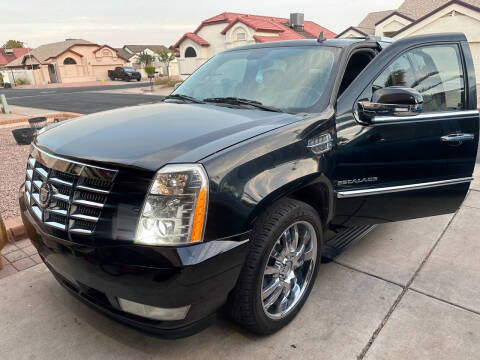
<point>222,195</point>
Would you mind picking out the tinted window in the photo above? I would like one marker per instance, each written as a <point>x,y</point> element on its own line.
<point>434,71</point>
<point>290,78</point>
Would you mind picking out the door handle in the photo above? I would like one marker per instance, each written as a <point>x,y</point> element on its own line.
<point>458,137</point>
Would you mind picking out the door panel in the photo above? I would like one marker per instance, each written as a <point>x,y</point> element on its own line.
<point>429,175</point>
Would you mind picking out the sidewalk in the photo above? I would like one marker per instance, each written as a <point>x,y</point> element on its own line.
<point>157,90</point>
<point>68,85</point>
<point>19,114</point>
<point>408,290</point>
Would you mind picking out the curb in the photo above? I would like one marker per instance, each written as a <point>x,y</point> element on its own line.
<point>15,229</point>
<point>48,116</point>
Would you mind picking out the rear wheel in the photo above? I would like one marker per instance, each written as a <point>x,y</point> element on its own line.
<point>280,269</point>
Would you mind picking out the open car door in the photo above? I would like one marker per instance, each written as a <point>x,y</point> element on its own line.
<point>407,132</point>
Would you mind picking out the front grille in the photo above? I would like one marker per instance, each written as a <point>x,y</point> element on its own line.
<point>64,194</point>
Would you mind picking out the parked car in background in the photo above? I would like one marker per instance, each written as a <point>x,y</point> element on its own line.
<point>125,73</point>
<point>159,215</point>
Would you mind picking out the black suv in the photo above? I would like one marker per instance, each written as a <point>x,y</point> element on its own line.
<point>159,215</point>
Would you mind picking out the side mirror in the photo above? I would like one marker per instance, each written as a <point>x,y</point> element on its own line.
<point>177,85</point>
<point>393,101</point>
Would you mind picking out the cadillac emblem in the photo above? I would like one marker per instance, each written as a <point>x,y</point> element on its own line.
<point>45,194</point>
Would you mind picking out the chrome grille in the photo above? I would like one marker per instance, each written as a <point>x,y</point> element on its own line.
<point>64,194</point>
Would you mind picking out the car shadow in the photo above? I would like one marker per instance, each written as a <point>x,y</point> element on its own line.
<point>147,343</point>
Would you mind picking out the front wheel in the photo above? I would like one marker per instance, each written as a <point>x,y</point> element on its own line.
<point>280,269</point>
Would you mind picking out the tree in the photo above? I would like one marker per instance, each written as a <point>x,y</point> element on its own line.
<point>166,57</point>
<point>11,44</point>
<point>150,70</point>
<point>145,58</point>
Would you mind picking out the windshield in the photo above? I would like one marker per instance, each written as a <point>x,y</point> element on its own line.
<point>293,79</point>
<point>129,69</point>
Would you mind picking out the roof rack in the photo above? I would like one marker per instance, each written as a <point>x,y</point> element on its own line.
<point>321,37</point>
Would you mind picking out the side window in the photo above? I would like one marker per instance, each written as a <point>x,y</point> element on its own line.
<point>435,71</point>
<point>398,73</point>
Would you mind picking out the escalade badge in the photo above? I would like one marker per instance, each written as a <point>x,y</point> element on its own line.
<point>45,194</point>
<point>357,181</point>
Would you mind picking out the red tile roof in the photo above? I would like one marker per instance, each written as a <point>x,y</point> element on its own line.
<point>277,26</point>
<point>258,23</point>
<point>194,37</point>
<point>6,58</point>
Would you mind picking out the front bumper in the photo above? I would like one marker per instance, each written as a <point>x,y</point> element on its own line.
<point>200,275</point>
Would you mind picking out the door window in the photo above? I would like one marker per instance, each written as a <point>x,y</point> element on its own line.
<point>435,71</point>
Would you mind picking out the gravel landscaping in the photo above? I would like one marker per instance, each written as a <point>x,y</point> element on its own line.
<point>13,160</point>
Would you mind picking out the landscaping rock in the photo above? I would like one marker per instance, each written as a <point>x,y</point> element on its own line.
<point>13,160</point>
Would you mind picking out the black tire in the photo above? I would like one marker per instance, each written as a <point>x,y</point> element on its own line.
<point>244,304</point>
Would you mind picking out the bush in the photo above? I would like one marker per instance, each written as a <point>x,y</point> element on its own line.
<point>1,79</point>
<point>22,81</point>
<point>172,83</point>
<point>150,70</point>
<point>167,81</point>
<point>161,80</point>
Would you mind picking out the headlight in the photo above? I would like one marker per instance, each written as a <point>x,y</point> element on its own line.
<point>175,209</point>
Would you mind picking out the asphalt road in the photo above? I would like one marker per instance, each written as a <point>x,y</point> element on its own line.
<point>80,100</point>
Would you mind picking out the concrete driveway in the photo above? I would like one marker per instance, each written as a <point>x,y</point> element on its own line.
<point>408,290</point>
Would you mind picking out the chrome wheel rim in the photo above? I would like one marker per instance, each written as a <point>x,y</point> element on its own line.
<point>289,269</point>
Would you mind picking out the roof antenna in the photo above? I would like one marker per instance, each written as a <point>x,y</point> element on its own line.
<point>321,38</point>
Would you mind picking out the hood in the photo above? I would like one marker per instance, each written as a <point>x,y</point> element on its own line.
<point>151,136</point>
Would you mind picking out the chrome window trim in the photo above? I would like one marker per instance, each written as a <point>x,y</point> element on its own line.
<point>392,189</point>
<point>427,116</point>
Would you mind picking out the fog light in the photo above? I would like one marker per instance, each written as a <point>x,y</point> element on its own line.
<point>153,312</point>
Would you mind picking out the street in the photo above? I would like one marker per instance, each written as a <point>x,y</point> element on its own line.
<point>86,100</point>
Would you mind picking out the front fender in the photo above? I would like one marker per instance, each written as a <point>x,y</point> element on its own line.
<point>248,178</point>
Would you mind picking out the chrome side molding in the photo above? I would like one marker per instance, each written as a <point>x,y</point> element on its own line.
<point>427,116</point>
<point>392,189</point>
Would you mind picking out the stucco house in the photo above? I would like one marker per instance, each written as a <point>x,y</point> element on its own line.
<point>135,50</point>
<point>72,60</point>
<point>415,17</point>
<point>228,30</point>
<point>8,55</point>
<point>131,53</point>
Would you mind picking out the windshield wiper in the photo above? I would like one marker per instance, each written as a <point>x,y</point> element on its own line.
<point>240,101</point>
<point>184,98</point>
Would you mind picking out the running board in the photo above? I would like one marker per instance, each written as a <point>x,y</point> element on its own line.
<point>344,239</point>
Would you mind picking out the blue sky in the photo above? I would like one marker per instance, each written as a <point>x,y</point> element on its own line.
<point>119,22</point>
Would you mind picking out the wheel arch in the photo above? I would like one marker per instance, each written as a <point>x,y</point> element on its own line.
<point>317,192</point>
